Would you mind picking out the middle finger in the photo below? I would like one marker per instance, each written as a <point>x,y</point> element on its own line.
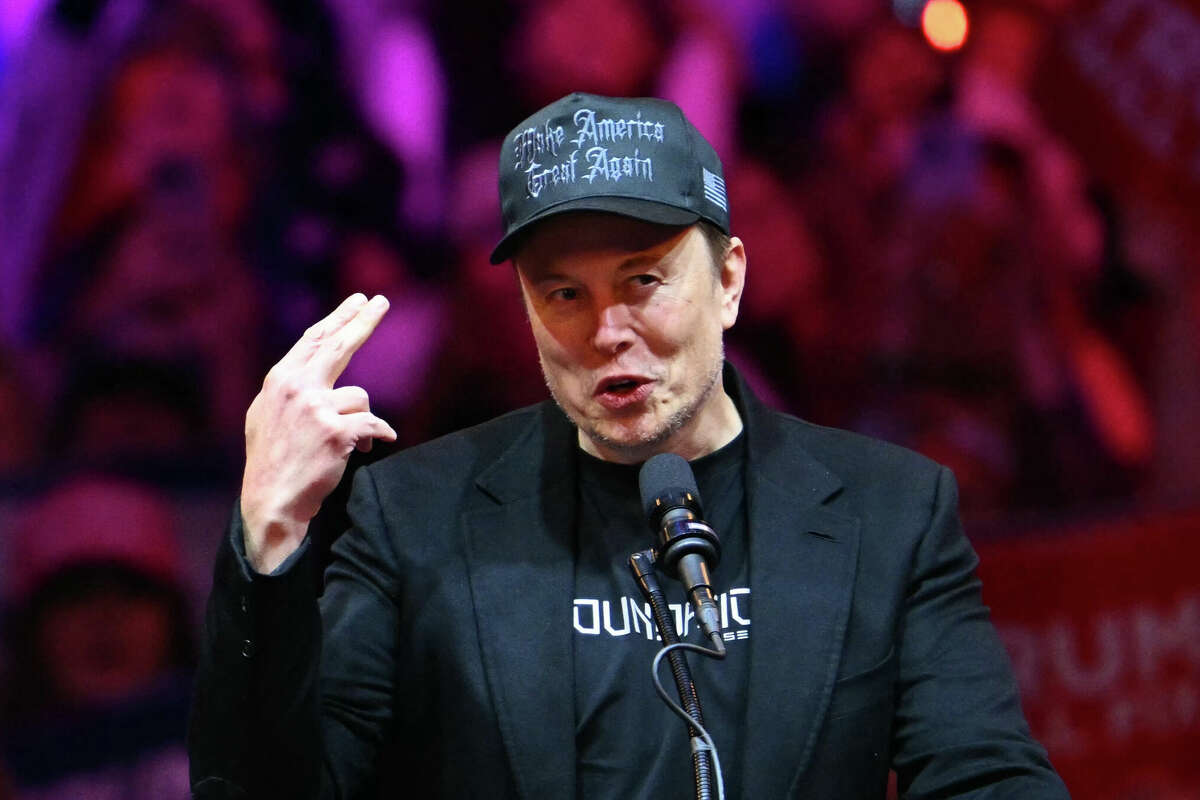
<point>321,330</point>
<point>337,349</point>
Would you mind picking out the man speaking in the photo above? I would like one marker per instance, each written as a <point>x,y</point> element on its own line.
<point>479,636</point>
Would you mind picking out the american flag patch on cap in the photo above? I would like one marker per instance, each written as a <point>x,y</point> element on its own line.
<point>714,189</point>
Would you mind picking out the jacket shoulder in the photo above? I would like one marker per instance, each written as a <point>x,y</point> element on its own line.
<point>868,468</point>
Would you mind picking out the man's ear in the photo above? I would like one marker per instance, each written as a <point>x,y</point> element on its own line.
<point>733,280</point>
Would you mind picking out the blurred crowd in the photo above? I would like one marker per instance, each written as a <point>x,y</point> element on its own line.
<point>186,185</point>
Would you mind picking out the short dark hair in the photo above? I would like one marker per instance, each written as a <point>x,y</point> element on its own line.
<point>718,242</point>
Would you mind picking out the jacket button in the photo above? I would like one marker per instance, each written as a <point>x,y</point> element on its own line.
<point>244,605</point>
<point>247,648</point>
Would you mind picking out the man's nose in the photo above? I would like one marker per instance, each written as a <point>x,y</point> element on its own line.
<point>614,328</point>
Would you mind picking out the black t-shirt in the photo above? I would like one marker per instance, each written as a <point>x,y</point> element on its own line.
<point>629,743</point>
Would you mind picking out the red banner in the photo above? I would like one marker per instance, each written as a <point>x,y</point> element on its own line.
<point>1103,626</point>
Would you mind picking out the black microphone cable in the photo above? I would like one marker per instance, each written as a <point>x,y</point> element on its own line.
<point>686,548</point>
<point>706,763</point>
<point>709,745</point>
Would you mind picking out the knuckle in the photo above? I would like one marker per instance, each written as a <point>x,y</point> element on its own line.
<point>313,402</point>
<point>282,383</point>
<point>289,390</point>
<point>328,428</point>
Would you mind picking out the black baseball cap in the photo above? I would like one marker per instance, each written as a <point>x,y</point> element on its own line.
<point>634,156</point>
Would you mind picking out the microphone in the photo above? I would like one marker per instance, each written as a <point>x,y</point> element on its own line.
<point>685,547</point>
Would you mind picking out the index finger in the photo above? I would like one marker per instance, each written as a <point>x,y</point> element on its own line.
<point>322,329</point>
<point>336,351</point>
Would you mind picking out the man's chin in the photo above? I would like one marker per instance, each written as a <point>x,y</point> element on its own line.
<point>625,443</point>
<point>628,437</point>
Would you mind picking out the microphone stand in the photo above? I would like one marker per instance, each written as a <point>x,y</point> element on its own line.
<point>642,566</point>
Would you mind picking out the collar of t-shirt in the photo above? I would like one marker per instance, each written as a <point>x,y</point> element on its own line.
<point>614,487</point>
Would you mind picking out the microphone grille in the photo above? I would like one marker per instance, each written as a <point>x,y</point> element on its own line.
<point>665,474</point>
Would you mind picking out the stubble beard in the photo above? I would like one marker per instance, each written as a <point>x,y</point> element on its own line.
<point>646,442</point>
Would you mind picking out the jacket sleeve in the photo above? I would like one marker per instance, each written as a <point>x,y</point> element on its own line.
<point>294,694</point>
<point>959,730</point>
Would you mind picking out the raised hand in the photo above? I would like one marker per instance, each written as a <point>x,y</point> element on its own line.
<point>300,432</point>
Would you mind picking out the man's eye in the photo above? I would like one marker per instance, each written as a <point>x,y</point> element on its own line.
<point>645,280</point>
<point>565,293</point>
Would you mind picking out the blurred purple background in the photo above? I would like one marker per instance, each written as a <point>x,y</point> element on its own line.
<point>988,254</point>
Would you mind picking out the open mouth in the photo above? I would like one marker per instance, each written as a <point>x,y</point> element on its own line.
<point>621,392</point>
<point>619,385</point>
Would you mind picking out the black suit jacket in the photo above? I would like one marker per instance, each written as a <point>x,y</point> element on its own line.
<point>444,642</point>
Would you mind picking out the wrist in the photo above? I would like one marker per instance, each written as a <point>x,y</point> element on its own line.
<point>270,537</point>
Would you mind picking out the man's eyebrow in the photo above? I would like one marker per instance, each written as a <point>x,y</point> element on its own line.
<point>642,260</point>
<point>546,277</point>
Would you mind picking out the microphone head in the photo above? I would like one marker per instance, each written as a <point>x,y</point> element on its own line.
<point>666,481</point>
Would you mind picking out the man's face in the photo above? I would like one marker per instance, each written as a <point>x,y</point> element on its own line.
<point>628,319</point>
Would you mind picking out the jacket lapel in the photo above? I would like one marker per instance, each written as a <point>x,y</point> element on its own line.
<point>803,558</point>
<point>521,557</point>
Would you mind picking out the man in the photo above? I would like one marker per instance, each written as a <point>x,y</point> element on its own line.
<point>478,634</point>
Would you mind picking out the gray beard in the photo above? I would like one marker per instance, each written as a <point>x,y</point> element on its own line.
<point>674,424</point>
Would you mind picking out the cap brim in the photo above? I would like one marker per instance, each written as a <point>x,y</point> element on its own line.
<point>632,207</point>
